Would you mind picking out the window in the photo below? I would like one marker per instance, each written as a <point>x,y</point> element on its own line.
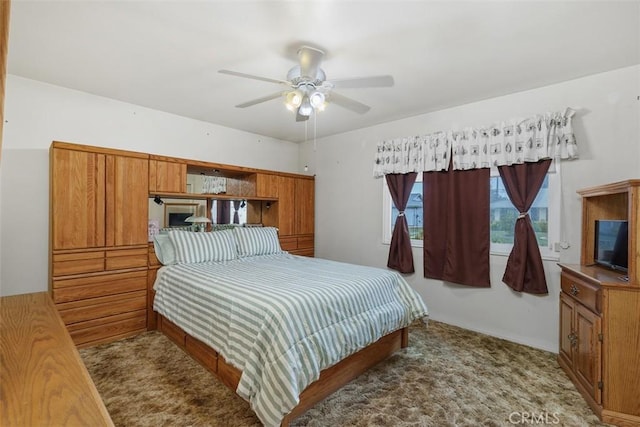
<point>544,214</point>
<point>413,213</point>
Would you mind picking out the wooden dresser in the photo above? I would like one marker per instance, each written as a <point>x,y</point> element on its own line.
<point>43,381</point>
<point>98,227</point>
<point>600,311</point>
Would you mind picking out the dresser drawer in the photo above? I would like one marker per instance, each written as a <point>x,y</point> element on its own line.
<point>78,263</point>
<point>126,258</point>
<point>304,252</point>
<point>96,308</point>
<point>294,244</point>
<point>289,243</point>
<point>108,328</point>
<point>305,242</point>
<point>72,263</point>
<point>582,291</point>
<point>80,288</point>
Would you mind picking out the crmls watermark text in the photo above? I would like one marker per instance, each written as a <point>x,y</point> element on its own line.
<point>534,418</point>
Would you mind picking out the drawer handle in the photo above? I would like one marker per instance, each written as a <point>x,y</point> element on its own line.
<point>574,290</point>
<point>573,339</point>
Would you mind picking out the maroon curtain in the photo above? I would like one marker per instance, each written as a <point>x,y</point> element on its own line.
<point>524,271</point>
<point>456,226</point>
<point>236,207</point>
<point>223,211</point>
<point>400,255</point>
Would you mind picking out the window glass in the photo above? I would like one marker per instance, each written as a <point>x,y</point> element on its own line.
<point>503,214</point>
<point>413,213</point>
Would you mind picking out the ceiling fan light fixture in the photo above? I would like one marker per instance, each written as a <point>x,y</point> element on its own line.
<point>305,108</point>
<point>316,99</point>
<point>294,100</point>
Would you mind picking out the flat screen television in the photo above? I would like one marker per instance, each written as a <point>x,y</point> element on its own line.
<point>177,219</point>
<point>612,244</point>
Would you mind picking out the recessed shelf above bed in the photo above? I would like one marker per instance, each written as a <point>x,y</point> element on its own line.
<point>201,196</point>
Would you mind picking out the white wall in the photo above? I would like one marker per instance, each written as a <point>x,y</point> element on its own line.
<point>349,200</point>
<point>37,113</point>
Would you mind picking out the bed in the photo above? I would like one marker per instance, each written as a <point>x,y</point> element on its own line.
<point>280,325</point>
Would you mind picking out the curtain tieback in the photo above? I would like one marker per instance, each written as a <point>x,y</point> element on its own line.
<point>401,213</point>
<point>523,214</point>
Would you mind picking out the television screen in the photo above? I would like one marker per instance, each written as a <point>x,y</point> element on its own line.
<point>611,245</point>
<point>177,219</point>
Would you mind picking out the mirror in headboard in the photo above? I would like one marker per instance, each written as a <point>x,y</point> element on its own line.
<point>172,212</point>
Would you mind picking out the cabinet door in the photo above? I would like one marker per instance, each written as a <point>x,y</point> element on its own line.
<point>77,199</point>
<point>127,201</point>
<point>304,206</point>
<point>266,185</point>
<point>586,361</point>
<point>568,338</point>
<point>286,205</point>
<point>169,177</point>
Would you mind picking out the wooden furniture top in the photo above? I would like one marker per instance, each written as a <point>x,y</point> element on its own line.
<point>599,275</point>
<point>43,381</point>
<point>210,168</point>
<point>615,187</point>
<point>101,150</point>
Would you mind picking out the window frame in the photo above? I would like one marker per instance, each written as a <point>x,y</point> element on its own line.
<point>554,204</point>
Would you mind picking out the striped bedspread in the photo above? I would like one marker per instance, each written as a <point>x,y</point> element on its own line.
<point>281,319</point>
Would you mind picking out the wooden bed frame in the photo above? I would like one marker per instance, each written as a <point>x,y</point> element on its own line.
<point>331,379</point>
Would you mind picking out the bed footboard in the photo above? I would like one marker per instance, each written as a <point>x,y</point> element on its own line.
<point>331,379</point>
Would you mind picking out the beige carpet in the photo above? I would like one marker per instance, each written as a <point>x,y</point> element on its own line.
<point>446,377</point>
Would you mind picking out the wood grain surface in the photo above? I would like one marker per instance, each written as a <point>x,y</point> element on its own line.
<point>43,381</point>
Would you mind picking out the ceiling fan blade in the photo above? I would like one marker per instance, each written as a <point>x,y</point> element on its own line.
<point>259,100</point>
<point>310,59</point>
<point>348,103</point>
<point>251,76</point>
<point>360,82</point>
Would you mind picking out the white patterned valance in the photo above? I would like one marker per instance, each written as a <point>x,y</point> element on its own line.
<point>515,141</point>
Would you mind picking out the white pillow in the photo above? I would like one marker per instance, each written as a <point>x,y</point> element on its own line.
<point>193,247</point>
<point>257,241</point>
<point>163,247</point>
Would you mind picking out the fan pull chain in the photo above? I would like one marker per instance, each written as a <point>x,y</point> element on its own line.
<point>315,129</point>
<point>306,130</point>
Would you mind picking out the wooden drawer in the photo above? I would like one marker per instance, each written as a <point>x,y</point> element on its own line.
<point>173,331</point>
<point>289,243</point>
<point>584,292</point>
<point>294,244</point>
<point>68,264</point>
<point>108,328</point>
<point>126,258</point>
<point>78,263</point>
<point>66,290</point>
<point>202,352</point>
<point>305,242</point>
<point>304,252</point>
<point>96,308</point>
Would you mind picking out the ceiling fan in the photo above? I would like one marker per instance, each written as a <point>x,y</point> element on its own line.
<point>308,90</point>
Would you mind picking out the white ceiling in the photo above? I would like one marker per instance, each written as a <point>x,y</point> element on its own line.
<point>165,54</point>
